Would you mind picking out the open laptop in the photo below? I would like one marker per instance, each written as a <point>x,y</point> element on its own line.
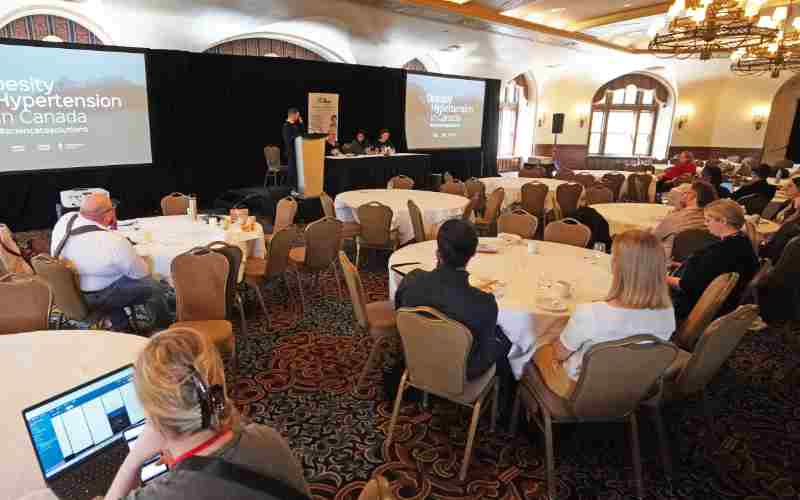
<point>82,436</point>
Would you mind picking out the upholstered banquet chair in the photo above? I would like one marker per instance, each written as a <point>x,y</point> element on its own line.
<point>599,194</point>
<point>27,301</point>
<point>233,299</point>
<point>533,200</point>
<point>417,222</point>
<point>401,182</point>
<point>436,350</point>
<point>704,312</point>
<point>376,229</point>
<point>377,488</point>
<point>274,266</point>
<point>454,187</point>
<point>565,174</point>
<point>586,180</point>
<point>486,224</point>
<point>285,213</point>
<point>568,232</point>
<point>11,259</point>
<point>470,209</point>
<point>534,172</point>
<point>615,377</point>
<point>349,229</point>
<point>518,222</point>
<point>568,197</point>
<point>754,204</point>
<point>201,280</point>
<point>272,155</point>
<point>67,296</point>
<point>690,241</point>
<point>614,182</point>
<point>638,189</point>
<point>376,319</point>
<point>475,187</point>
<point>322,244</point>
<point>174,204</point>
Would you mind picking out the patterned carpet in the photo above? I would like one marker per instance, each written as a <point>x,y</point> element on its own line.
<point>298,377</point>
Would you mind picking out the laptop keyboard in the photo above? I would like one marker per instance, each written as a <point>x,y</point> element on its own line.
<point>93,477</point>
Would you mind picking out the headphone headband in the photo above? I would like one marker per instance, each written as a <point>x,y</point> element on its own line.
<point>211,399</point>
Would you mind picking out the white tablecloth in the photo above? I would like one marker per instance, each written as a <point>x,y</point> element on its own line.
<point>622,217</point>
<point>598,174</point>
<point>173,235</point>
<point>513,189</point>
<point>435,207</point>
<point>352,157</point>
<point>525,324</point>
<point>35,366</point>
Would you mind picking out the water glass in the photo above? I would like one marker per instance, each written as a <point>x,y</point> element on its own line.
<point>600,247</point>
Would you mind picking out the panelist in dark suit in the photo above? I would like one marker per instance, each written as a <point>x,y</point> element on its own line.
<point>384,142</point>
<point>760,185</point>
<point>332,146</point>
<point>360,145</point>
<point>447,289</point>
<point>292,128</point>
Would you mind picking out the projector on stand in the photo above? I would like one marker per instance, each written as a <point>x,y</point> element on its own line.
<point>72,199</point>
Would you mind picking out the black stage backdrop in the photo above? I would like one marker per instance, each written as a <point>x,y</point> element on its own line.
<point>212,115</point>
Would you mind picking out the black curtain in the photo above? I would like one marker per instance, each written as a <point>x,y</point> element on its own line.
<point>212,115</point>
<point>793,149</point>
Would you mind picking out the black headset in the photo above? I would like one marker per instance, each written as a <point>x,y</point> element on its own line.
<point>211,399</point>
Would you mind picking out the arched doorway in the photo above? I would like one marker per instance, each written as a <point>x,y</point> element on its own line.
<point>782,138</point>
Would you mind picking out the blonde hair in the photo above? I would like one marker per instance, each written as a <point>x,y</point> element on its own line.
<point>727,211</point>
<point>639,270</point>
<point>164,382</point>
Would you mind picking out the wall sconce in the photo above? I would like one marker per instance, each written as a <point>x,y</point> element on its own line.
<point>760,115</point>
<point>542,118</point>
<point>583,114</point>
<point>683,114</point>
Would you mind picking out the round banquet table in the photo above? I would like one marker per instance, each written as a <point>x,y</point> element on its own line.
<point>598,174</point>
<point>525,324</point>
<point>39,365</point>
<point>622,217</point>
<point>435,207</point>
<point>161,239</point>
<point>513,189</point>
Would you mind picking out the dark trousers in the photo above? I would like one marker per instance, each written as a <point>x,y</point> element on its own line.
<point>126,292</point>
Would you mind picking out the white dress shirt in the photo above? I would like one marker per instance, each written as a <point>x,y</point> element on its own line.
<point>101,257</point>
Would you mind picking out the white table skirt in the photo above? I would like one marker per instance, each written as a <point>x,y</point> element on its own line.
<point>161,239</point>
<point>36,366</point>
<point>435,207</point>
<point>622,217</point>
<point>525,324</point>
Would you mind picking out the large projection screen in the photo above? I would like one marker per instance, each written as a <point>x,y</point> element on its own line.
<point>444,112</point>
<point>64,108</point>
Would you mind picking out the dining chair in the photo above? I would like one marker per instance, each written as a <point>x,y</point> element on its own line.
<point>174,204</point>
<point>614,181</point>
<point>322,245</point>
<point>260,271</point>
<point>11,259</point>
<point>377,488</point>
<point>27,301</point>
<point>568,197</point>
<point>376,229</point>
<point>615,378</point>
<point>417,223</point>
<point>568,231</point>
<point>455,186</point>
<point>475,187</point>
<point>401,182</point>
<point>436,350</point>
<point>532,172</point>
<point>638,189</point>
<point>470,209</point>
<point>272,155</point>
<point>690,241</point>
<point>704,312</point>
<point>487,223</point>
<point>285,213</point>
<point>586,180</point>
<point>376,319</point>
<point>349,229</point>
<point>233,298</point>
<point>754,204</point>
<point>599,194</point>
<point>201,297</point>
<point>565,174</point>
<point>518,222</point>
<point>67,297</point>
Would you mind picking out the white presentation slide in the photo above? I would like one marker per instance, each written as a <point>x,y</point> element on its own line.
<point>97,419</point>
<point>78,432</point>
<point>112,400</point>
<point>63,108</point>
<point>132,404</point>
<point>61,435</point>
<point>443,112</point>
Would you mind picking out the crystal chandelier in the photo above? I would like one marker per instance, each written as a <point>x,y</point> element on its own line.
<point>781,54</point>
<point>706,27</point>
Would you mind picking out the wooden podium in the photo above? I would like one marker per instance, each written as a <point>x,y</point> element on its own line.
<point>309,150</point>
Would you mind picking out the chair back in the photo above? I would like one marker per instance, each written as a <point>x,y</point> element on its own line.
<point>599,194</point>
<point>174,204</point>
<point>435,348</point>
<point>534,196</point>
<point>377,488</point>
<point>470,208</point>
<point>569,232</point>
<point>356,289</point>
<point>273,156</point>
<point>27,301</point>
<point>690,241</point>
<point>200,277</point>
<point>327,205</point>
<point>416,221</point>
<point>279,246</point>
<point>616,376</point>
<point>614,182</point>
<point>586,180</point>
<point>235,256</point>
<point>401,182</point>
<point>704,312</point>
<point>455,186</point>
<point>787,269</point>
<point>714,347</point>
<point>475,187</point>
<point>568,196</point>
<point>532,172</point>
<point>376,223</point>
<point>639,188</point>
<point>754,204</point>
<point>284,214</point>
<point>323,241</point>
<point>64,282</point>
<point>11,260</point>
<point>565,174</point>
<point>518,222</point>
<point>494,204</point>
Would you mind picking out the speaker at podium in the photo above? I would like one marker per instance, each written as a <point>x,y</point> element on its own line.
<point>309,150</point>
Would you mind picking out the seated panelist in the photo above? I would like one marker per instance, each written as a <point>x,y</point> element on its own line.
<point>360,144</point>
<point>332,146</point>
<point>384,144</point>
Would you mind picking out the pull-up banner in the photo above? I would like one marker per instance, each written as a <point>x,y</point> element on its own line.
<point>323,113</point>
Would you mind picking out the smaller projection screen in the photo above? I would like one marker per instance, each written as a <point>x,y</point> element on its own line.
<point>444,112</point>
<point>64,108</point>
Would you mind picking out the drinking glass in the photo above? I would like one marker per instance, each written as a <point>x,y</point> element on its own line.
<point>599,250</point>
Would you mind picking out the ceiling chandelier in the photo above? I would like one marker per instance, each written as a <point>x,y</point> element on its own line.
<point>706,27</point>
<point>781,54</point>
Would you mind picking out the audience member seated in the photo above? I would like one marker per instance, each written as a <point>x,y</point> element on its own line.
<point>637,303</point>
<point>332,146</point>
<point>791,206</point>
<point>360,144</point>
<point>685,165</point>
<point>759,185</point>
<point>713,175</point>
<point>191,422</point>
<point>689,217</point>
<point>384,144</point>
<point>789,218</point>
<point>447,289</point>
<point>732,254</point>
<point>112,275</point>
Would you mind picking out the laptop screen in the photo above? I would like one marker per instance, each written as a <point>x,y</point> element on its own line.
<point>73,426</point>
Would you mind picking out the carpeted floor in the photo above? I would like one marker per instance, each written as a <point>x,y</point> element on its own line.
<point>298,377</point>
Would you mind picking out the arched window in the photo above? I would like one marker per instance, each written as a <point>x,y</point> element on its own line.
<point>49,28</point>
<point>516,132</point>
<point>266,47</point>
<point>625,113</point>
<point>415,65</point>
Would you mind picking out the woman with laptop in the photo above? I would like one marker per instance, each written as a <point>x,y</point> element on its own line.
<point>192,423</point>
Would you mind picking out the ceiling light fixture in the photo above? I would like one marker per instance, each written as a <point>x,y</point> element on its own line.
<point>781,54</point>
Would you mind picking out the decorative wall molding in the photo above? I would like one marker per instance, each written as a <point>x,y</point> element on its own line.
<point>103,38</point>
<point>311,46</point>
<point>264,47</point>
<point>38,26</point>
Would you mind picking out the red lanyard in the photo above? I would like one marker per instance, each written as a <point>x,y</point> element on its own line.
<point>200,447</point>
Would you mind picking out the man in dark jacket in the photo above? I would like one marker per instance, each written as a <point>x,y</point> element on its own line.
<point>760,185</point>
<point>292,128</point>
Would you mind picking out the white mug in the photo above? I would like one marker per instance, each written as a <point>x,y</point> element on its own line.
<point>532,247</point>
